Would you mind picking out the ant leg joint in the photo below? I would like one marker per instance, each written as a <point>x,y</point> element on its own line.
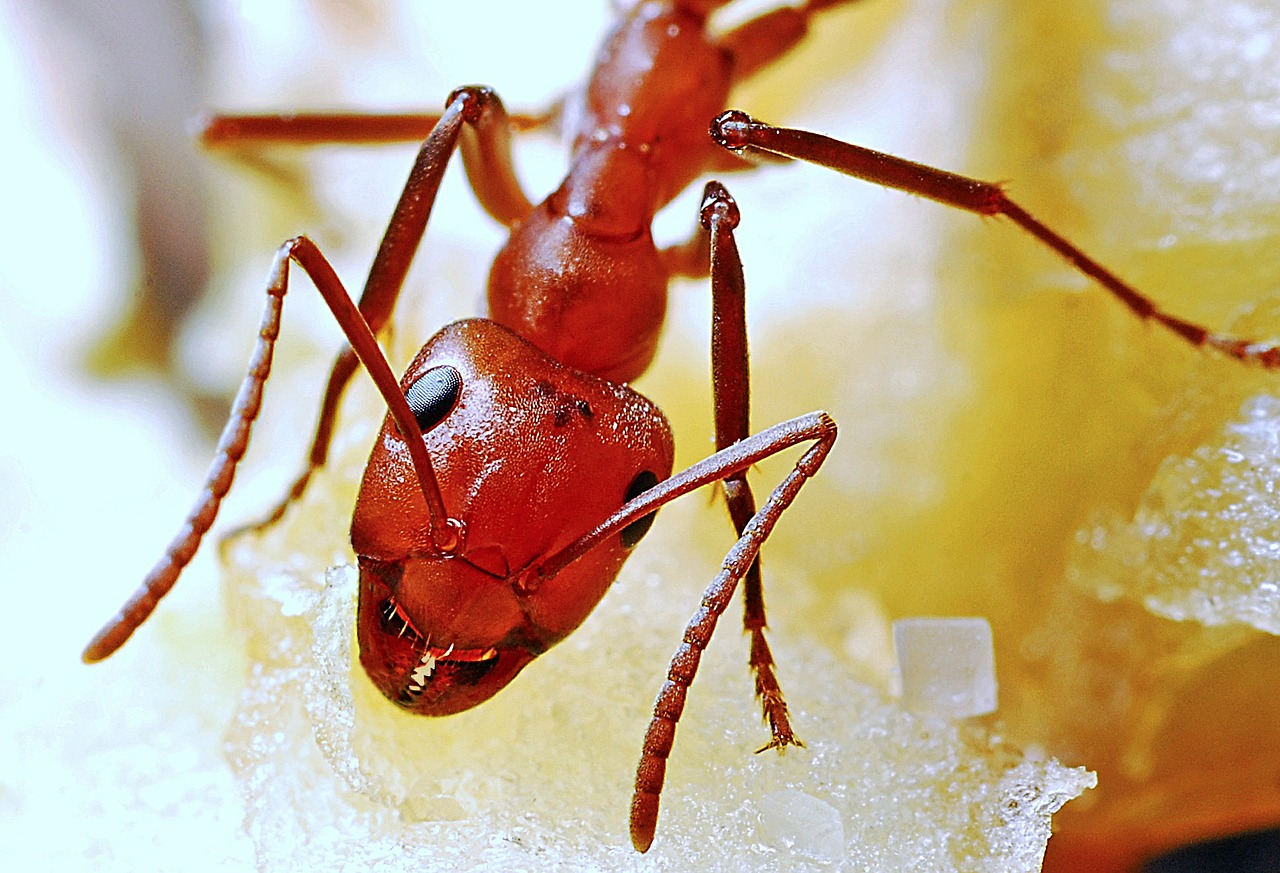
<point>477,101</point>
<point>718,206</point>
<point>826,432</point>
<point>449,537</point>
<point>291,246</point>
<point>729,129</point>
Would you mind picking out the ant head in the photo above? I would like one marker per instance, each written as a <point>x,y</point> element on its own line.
<point>530,455</point>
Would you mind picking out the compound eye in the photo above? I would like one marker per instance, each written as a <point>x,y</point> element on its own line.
<point>433,394</point>
<point>634,532</point>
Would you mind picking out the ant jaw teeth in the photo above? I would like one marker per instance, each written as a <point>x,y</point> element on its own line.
<point>463,655</point>
<point>432,656</point>
<point>418,678</point>
<point>396,621</point>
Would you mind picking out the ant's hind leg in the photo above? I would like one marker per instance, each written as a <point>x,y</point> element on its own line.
<point>487,155</point>
<point>738,132</point>
<point>754,45</point>
<point>760,41</point>
<point>486,146</point>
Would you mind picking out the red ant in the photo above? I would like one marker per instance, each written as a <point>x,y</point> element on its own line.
<point>515,472</point>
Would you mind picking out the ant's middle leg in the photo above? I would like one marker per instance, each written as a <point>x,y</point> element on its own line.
<point>475,122</point>
<point>730,374</point>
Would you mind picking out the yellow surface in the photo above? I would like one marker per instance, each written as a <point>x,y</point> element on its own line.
<point>1098,490</point>
<point>1013,445</point>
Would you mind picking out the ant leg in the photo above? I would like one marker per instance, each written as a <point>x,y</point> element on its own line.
<point>339,375</point>
<point>486,147</point>
<point>730,376</point>
<point>669,705</point>
<point>486,156</point>
<point>236,132</point>
<point>730,371</point>
<point>760,41</point>
<point>816,427</point>
<point>756,44</point>
<point>690,259</point>
<point>737,131</point>
<point>229,131</point>
<point>235,438</point>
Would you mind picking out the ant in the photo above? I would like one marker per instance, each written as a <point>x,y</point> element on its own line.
<point>515,470</point>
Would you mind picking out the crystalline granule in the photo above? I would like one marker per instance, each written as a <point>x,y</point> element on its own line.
<point>1204,542</point>
<point>947,665</point>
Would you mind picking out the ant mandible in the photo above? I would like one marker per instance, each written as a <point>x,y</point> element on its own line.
<point>515,471</point>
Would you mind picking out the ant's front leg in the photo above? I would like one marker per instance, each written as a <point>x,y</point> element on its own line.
<point>738,132</point>
<point>728,463</point>
<point>475,122</point>
<point>816,428</point>
<point>235,437</point>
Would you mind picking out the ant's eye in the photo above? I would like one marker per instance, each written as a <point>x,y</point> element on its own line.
<point>634,532</point>
<point>433,395</point>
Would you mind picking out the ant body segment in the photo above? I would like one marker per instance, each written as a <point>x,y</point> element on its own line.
<point>515,470</point>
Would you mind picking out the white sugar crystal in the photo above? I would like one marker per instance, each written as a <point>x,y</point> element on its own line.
<point>802,824</point>
<point>947,665</point>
